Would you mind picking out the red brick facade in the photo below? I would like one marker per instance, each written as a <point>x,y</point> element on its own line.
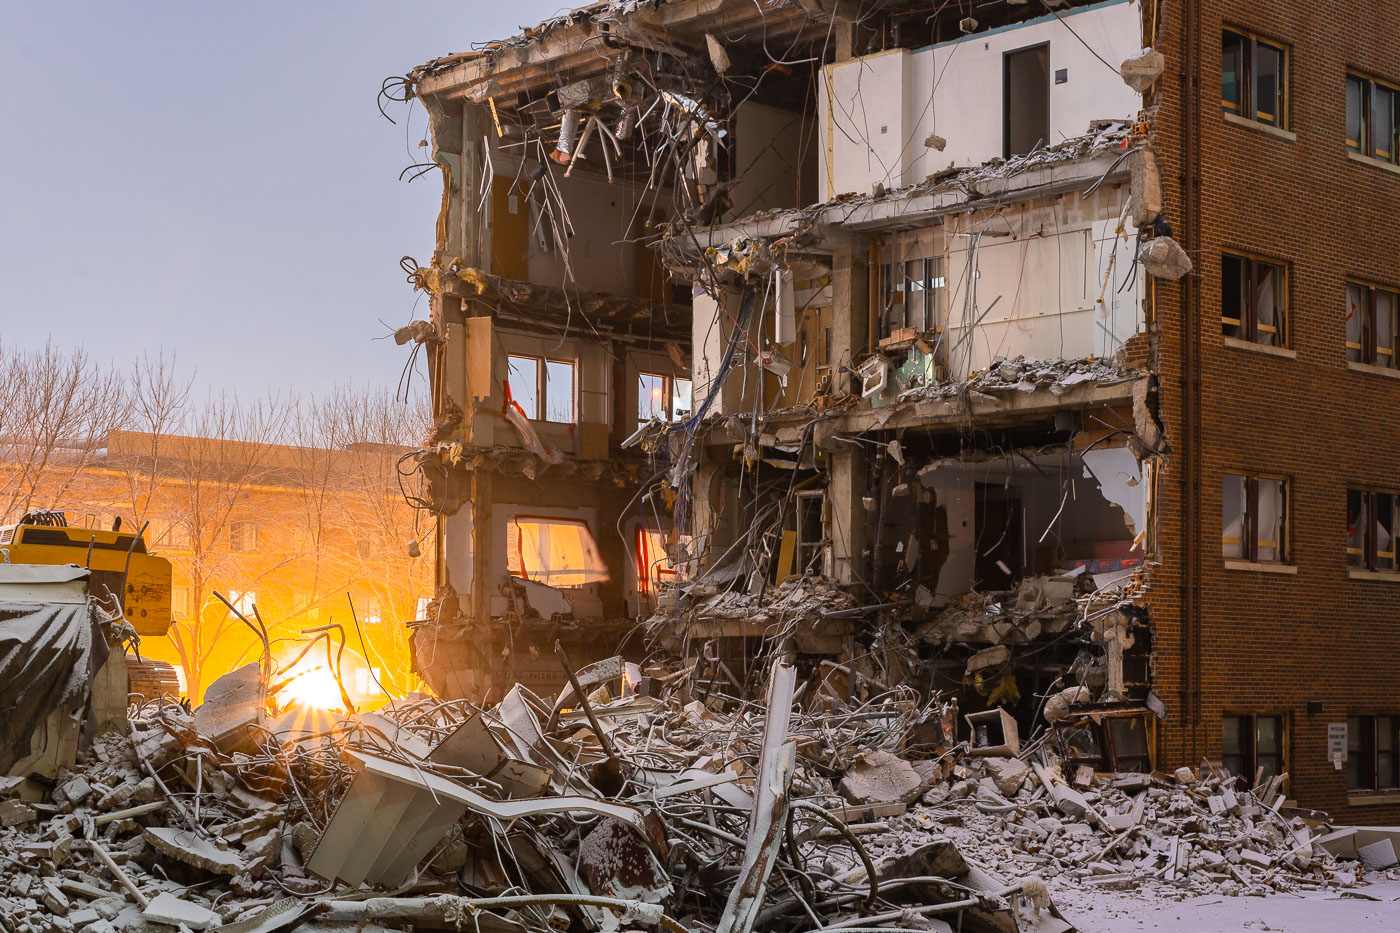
<point>1231,641</point>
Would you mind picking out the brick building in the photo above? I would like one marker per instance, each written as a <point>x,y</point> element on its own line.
<point>1003,353</point>
<point>289,530</point>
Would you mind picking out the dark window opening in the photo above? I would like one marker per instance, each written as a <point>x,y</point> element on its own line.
<point>1254,79</point>
<point>1371,529</point>
<point>1252,747</point>
<point>1253,300</point>
<point>1026,99</point>
<point>911,295</point>
<point>1254,512</point>
<point>1373,119</point>
<point>809,532</point>
<point>1372,759</point>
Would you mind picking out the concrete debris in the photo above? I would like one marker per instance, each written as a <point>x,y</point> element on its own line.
<point>1164,258</point>
<point>1142,70</point>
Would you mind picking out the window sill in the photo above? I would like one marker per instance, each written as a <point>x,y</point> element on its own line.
<point>1260,566</point>
<point>1374,163</point>
<point>1389,576</point>
<point>1376,798</point>
<point>1236,343</point>
<point>1261,127</point>
<point>1373,369</point>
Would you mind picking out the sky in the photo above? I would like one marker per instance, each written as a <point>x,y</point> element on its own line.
<point>214,180</point>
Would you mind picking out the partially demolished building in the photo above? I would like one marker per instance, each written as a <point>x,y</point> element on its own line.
<point>883,337</point>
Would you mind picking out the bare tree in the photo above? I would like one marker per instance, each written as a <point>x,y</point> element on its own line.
<point>55,410</point>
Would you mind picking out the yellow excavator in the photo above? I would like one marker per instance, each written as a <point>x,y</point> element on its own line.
<point>123,576</point>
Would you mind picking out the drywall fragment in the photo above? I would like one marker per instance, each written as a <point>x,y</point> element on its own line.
<point>718,56</point>
<point>167,908</point>
<point>1164,258</point>
<point>1120,481</point>
<point>615,861</point>
<point>1142,70</point>
<point>881,777</point>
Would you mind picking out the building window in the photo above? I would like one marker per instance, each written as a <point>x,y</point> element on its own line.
<point>811,504</point>
<point>653,563</point>
<point>420,611</point>
<point>373,613</point>
<point>1372,762</point>
<point>181,599</point>
<point>245,601</point>
<point>242,537</point>
<point>1371,529</point>
<point>174,535</point>
<point>662,398</point>
<point>556,551</point>
<point>1253,300</point>
<point>1025,100</point>
<point>1254,79</point>
<point>544,389</point>
<point>911,296</point>
<point>1372,118</point>
<point>1252,747</point>
<point>1371,324</point>
<point>1254,510</point>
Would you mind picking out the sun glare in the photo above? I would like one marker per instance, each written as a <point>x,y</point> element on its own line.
<point>315,687</point>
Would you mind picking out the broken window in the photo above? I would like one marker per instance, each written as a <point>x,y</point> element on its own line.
<point>809,531</point>
<point>543,388</point>
<point>662,398</point>
<point>653,563</point>
<point>1371,324</point>
<point>1254,513</point>
<point>1119,742</point>
<point>1371,518</point>
<point>1252,747</point>
<point>911,296</point>
<point>1253,299</point>
<point>1372,760</point>
<point>1026,100</point>
<point>557,551</point>
<point>1254,79</point>
<point>1372,119</point>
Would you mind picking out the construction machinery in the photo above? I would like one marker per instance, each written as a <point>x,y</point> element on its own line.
<point>123,576</point>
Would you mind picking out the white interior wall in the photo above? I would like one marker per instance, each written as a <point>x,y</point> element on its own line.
<point>1047,268</point>
<point>869,134</point>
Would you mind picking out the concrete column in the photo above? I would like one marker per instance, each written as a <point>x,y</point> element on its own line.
<point>850,308</point>
<point>848,522</point>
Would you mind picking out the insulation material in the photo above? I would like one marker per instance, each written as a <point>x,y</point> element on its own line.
<point>48,656</point>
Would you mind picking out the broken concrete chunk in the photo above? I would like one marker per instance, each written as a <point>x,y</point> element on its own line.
<point>880,777</point>
<point>1008,774</point>
<point>1377,855</point>
<point>167,908</point>
<point>1164,258</point>
<point>232,706</point>
<point>1142,70</point>
<point>185,846</point>
<point>72,792</point>
<point>615,861</point>
<point>16,812</point>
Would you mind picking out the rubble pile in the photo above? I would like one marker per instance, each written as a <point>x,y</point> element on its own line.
<point>658,799</point>
<point>1024,374</point>
<point>632,801</point>
<point>1187,833</point>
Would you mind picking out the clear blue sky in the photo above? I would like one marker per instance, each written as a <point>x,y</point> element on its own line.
<point>214,179</point>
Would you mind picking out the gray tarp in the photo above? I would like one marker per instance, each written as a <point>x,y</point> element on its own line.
<point>49,655</point>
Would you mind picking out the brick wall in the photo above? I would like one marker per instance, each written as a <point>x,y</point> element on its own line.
<point>1272,642</point>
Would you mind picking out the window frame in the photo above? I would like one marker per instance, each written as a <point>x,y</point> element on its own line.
<point>1250,543</point>
<point>526,574</point>
<point>1250,755</point>
<point>239,531</point>
<point>1248,322</point>
<point>1369,351</point>
<point>668,390</point>
<point>1364,146</point>
<point>542,364</point>
<point>1247,77</point>
<point>1372,779</point>
<point>1372,558</point>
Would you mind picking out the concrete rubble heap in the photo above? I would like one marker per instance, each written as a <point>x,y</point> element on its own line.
<point>656,800</point>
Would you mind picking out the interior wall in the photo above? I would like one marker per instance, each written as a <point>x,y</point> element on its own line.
<point>775,162</point>
<point>872,135</point>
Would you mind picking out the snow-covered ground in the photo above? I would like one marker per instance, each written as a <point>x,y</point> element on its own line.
<point>1311,912</point>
